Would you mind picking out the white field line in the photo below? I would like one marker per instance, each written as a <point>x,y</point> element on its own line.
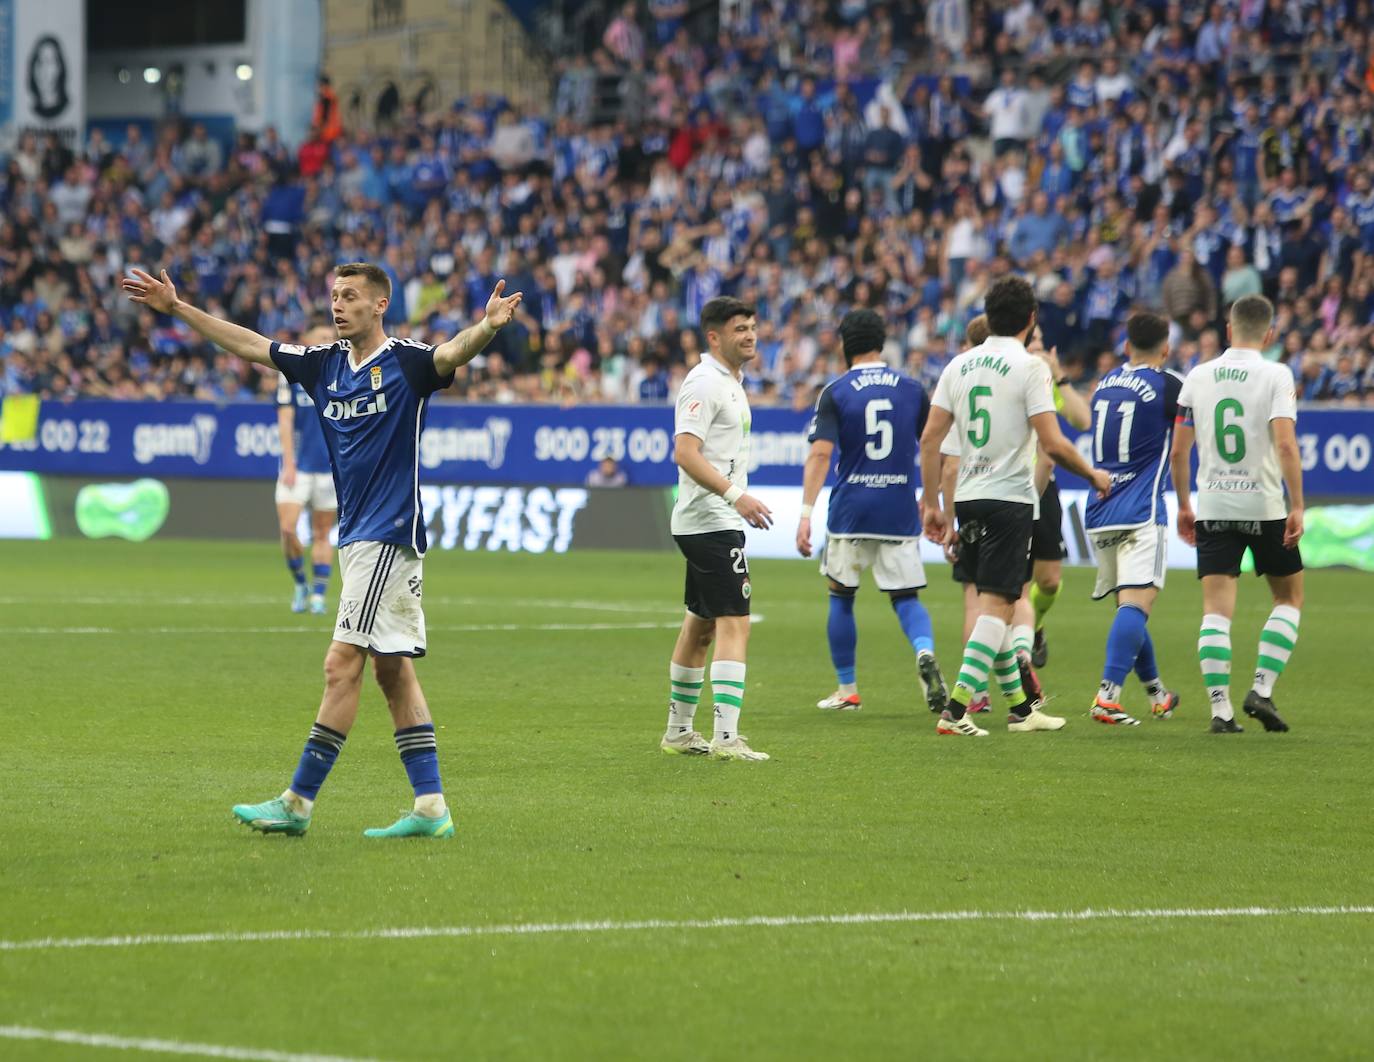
<point>468,628</point>
<point>526,929</point>
<point>279,600</point>
<point>159,1047</point>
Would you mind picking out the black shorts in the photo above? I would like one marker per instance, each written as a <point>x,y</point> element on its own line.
<point>1222,543</point>
<point>1047,540</point>
<point>717,574</point>
<point>994,545</point>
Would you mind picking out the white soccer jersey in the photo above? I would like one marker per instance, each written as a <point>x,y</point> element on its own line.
<point>712,406</point>
<point>992,391</point>
<point>1232,400</point>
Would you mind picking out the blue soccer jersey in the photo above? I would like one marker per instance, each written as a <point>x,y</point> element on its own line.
<point>874,416</point>
<point>1133,426</point>
<point>312,455</point>
<point>372,415</point>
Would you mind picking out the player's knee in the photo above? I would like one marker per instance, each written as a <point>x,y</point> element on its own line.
<point>289,539</point>
<point>1049,584</point>
<point>838,590</point>
<point>342,668</point>
<point>903,595</point>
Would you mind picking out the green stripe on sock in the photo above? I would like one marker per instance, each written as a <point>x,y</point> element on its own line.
<point>1270,663</point>
<point>1216,633</point>
<point>1287,623</point>
<point>1215,680</point>
<point>687,685</point>
<point>1213,652</point>
<point>973,682</point>
<point>991,654</point>
<point>1275,638</point>
<point>725,698</point>
<point>686,698</point>
<point>727,682</point>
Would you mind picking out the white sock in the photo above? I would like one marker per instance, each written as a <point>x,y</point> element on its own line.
<point>848,689</point>
<point>431,805</point>
<point>1214,656</point>
<point>684,693</point>
<point>1109,692</point>
<point>297,803</point>
<point>727,693</point>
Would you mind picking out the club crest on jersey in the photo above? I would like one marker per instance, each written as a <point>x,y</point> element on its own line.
<point>376,377</point>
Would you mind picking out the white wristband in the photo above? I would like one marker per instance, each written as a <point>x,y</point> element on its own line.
<point>733,494</point>
<point>806,511</point>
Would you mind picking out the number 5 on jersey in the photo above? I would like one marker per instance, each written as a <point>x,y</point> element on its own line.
<point>980,420</point>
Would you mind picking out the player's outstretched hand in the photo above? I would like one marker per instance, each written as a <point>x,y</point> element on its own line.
<point>1292,528</point>
<point>1187,526</point>
<point>156,294</point>
<point>804,536</point>
<point>501,310</point>
<point>755,513</point>
<point>1102,482</point>
<point>936,524</point>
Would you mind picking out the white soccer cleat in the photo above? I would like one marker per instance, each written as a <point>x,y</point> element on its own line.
<point>689,744</point>
<point>841,702</point>
<point>1036,720</point>
<point>737,748</point>
<point>317,604</point>
<point>963,726</point>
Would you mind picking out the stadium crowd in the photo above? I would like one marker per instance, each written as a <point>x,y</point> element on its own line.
<point>813,158</point>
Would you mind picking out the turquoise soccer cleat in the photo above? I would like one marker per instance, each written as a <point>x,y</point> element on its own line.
<point>299,598</point>
<point>413,824</point>
<point>272,816</point>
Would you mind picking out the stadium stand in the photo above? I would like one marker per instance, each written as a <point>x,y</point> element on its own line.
<point>811,158</point>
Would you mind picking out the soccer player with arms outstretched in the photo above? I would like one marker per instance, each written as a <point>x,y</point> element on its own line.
<point>712,455</point>
<point>305,478</point>
<point>873,415</point>
<point>370,393</point>
<point>1242,412</point>
<point>997,396</point>
<point>1133,422</point>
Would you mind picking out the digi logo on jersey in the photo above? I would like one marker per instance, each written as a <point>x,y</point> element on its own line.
<point>356,407</point>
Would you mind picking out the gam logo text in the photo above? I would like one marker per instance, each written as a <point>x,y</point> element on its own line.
<point>356,407</point>
<point>176,440</point>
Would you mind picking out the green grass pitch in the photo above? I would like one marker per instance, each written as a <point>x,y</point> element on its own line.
<point>192,688</point>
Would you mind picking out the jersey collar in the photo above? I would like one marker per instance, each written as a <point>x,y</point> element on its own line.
<point>1008,344</point>
<point>1242,353</point>
<point>719,366</point>
<point>375,354</point>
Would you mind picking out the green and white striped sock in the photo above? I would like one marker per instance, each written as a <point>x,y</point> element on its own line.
<point>1009,679</point>
<point>1214,657</point>
<point>1276,644</point>
<point>727,691</point>
<point>1022,638</point>
<point>684,693</point>
<point>983,646</point>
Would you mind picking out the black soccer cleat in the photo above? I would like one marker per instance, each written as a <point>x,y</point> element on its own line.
<point>937,696</point>
<point>1262,708</point>
<point>1040,649</point>
<point>1226,726</point>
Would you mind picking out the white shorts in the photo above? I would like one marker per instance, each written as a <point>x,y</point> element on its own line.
<point>379,605</point>
<point>896,563</point>
<point>1128,560</point>
<point>312,489</point>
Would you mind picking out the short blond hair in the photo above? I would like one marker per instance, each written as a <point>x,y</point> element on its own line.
<point>1251,317</point>
<point>976,332</point>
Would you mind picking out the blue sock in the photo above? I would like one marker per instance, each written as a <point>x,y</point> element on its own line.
<point>843,635</point>
<point>322,748</point>
<point>420,755</point>
<point>1123,646</point>
<point>1146,669</point>
<point>321,578</point>
<point>297,566</point>
<point>915,621</point>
